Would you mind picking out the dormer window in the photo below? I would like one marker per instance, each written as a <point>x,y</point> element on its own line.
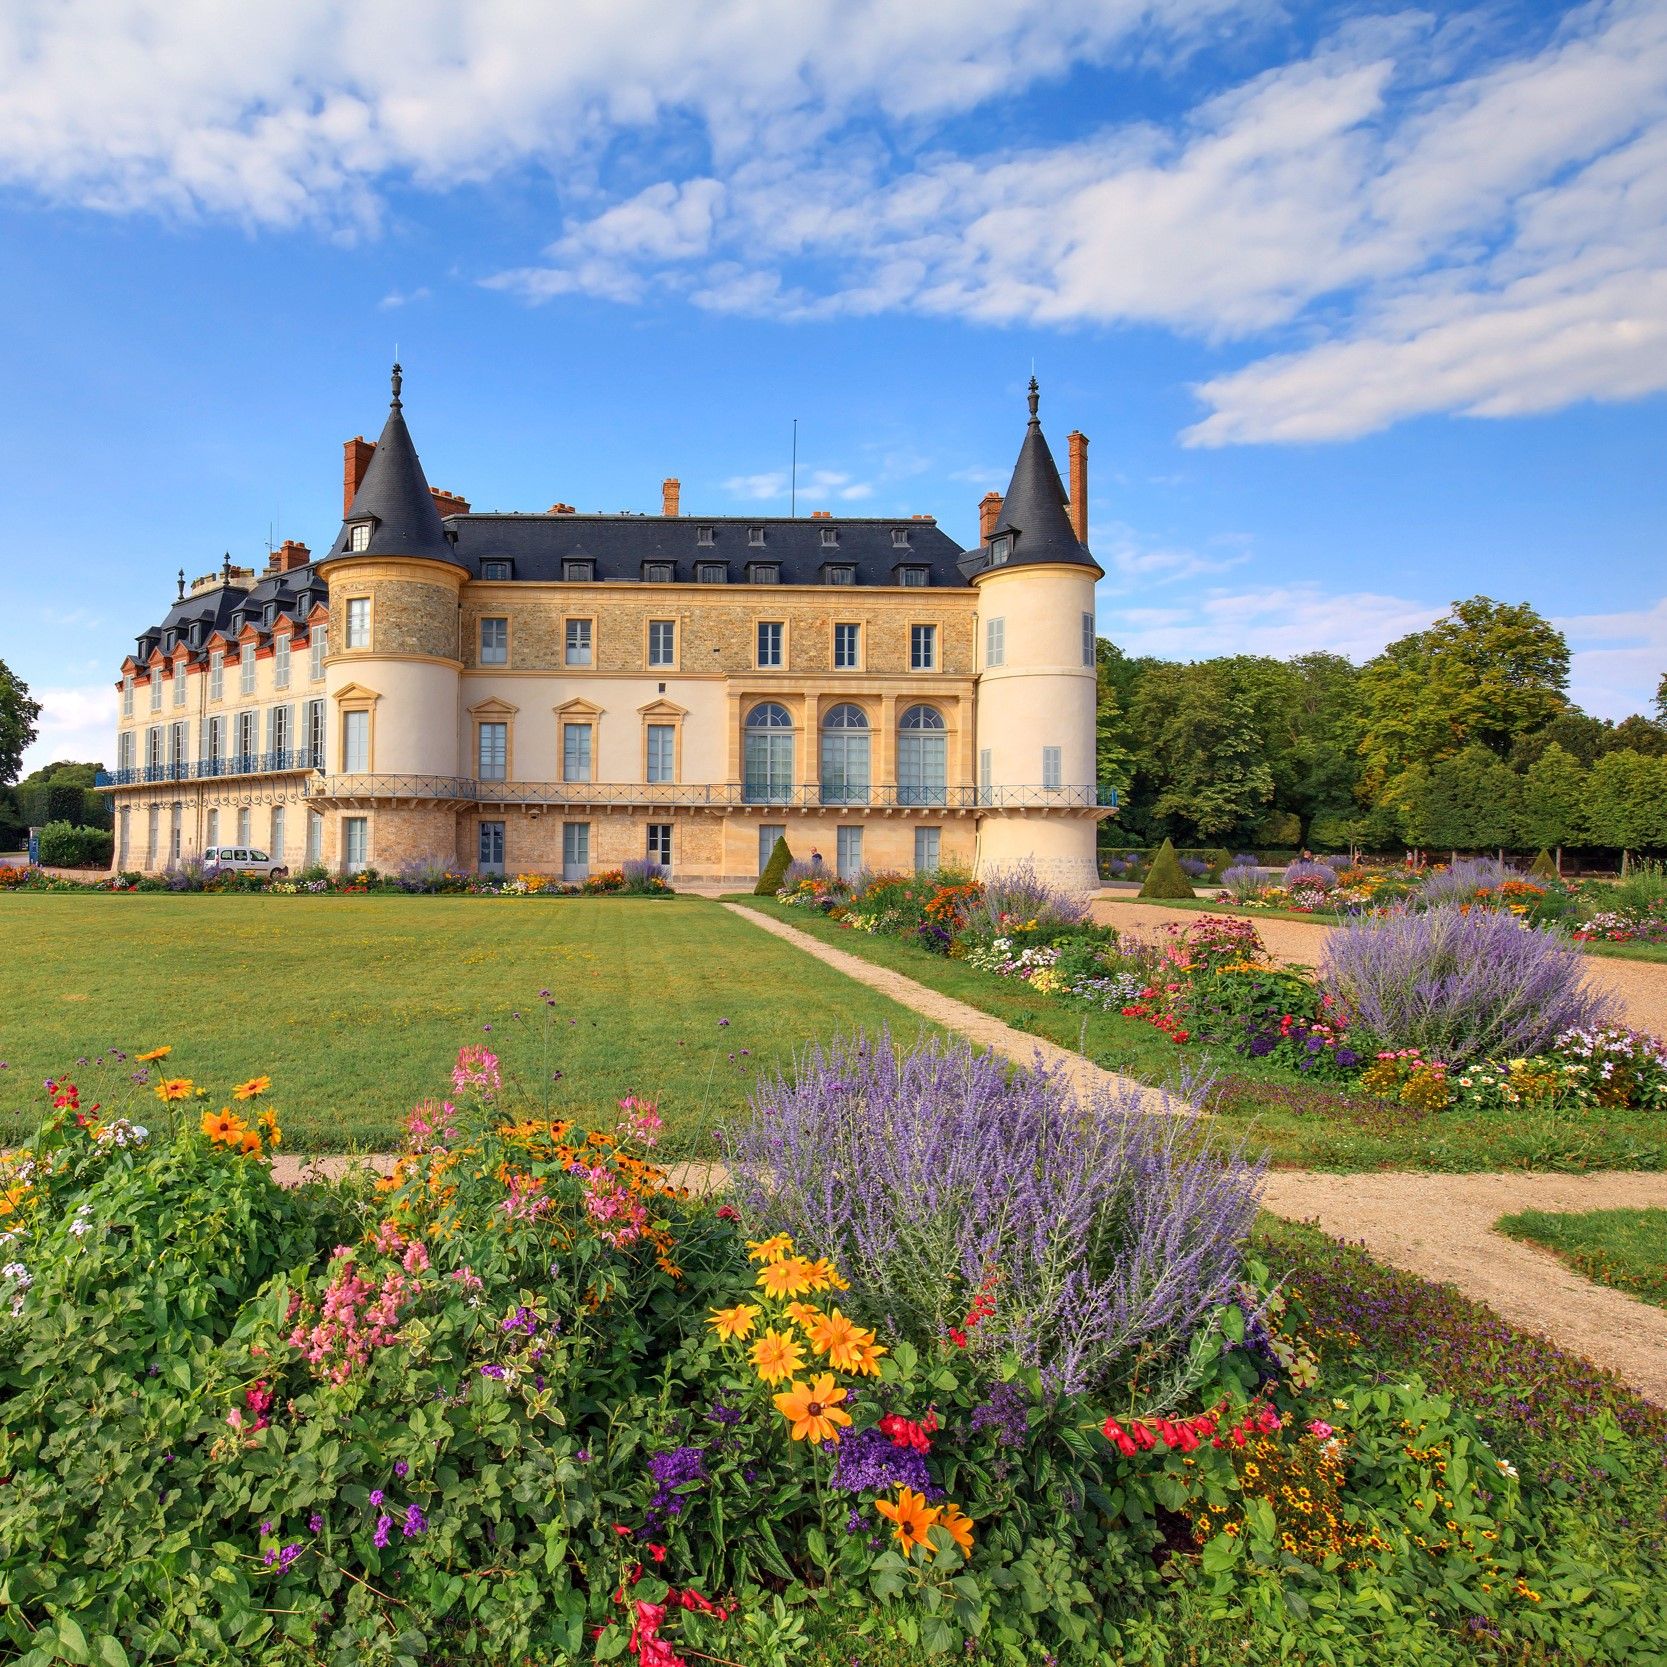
<point>711,572</point>
<point>197,635</point>
<point>912,575</point>
<point>1000,549</point>
<point>755,537</point>
<point>841,573</point>
<point>269,615</point>
<point>657,572</point>
<point>763,573</point>
<point>358,536</point>
<point>578,572</point>
<point>494,569</point>
<point>830,538</point>
<point>900,538</point>
<point>704,537</point>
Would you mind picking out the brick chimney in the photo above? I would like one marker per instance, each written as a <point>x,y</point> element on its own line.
<point>561,509</point>
<point>356,455</point>
<point>1077,508</point>
<point>671,491</point>
<point>448,503</point>
<point>989,512</point>
<point>289,555</point>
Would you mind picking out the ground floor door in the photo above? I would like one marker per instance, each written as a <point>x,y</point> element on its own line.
<point>491,855</point>
<point>768,834</point>
<point>575,850</point>
<point>850,853</point>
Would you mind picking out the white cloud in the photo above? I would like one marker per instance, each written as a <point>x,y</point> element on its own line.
<point>403,298</point>
<point>77,721</point>
<point>1135,560</point>
<point>1617,660</point>
<point>758,488</point>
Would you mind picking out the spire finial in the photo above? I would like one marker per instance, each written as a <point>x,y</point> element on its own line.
<point>181,596</point>
<point>1035,398</point>
<point>399,376</point>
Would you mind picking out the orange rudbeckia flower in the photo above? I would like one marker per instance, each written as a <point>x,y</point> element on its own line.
<point>734,1322</point>
<point>866,1355</point>
<point>786,1278</point>
<point>155,1053</point>
<point>176,1088</point>
<point>837,1337</point>
<point>813,1410</point>
<point>776,1356</point>
<point>250,1089</point>
<point>957,1524</point>
<point>910,1517</point>
<point>769,1250</point>
<point>224,1127</point>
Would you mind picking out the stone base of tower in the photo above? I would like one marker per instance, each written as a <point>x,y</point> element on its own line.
<point>1060,850</point>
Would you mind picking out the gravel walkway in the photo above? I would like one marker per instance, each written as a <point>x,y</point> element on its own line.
<point>1641,985</point>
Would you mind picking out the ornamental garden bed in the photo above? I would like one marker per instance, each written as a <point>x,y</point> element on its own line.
<point>961,1369</point>
<point>1453,1038</point>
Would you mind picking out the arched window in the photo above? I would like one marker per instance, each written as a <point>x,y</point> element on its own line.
<point>922,757</point>
<point>845,756</point>
<point>767,755</point>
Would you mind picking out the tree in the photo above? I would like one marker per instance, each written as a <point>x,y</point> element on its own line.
<point>17,723</point>
<point>1627,802</point>
<point>1638,734</point>
<point>1553,801</point>
<point>1166,877</point>
<point>775,870</point>
<point>1488,673</point>
<point>1113,761</point>
<point>1327,757</point>
<point>1661,698</point>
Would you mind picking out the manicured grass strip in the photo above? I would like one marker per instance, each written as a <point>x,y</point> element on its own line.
<point>1303,1125</point>
<point>356,1006</point>
<point>1626,1249</point>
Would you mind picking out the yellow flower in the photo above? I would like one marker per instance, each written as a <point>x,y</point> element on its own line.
<point>274,1135</point>
<point>838,1338</point>
<point>769,1250</point>
<point>868,1352</point>
<point>823,1275</point>
<point>911,1516</point>
<point>959,1525</point>
<point>813,1410</point>
<point>786,1278</point>
<point>176,1088</point>
<point>734,1322</point>
<point>155,1053</point>
<point>776,1356</point>
<point>224,1127</point>
<point>804,1314</point>
<point>254,1086</point>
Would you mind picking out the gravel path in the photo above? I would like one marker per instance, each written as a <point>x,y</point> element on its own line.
<point>1441,1227</point>
<point>1641,985</point>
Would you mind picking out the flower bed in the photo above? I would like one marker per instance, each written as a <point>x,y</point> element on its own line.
<point>523,1399</point>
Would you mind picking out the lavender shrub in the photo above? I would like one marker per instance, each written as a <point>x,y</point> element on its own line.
<point>1243,881</point>
<point>1017,894</point>
<point>1310,876</point>
<point>1461,986</point>
<point>1461,881</point>
<point>1112,1233</point>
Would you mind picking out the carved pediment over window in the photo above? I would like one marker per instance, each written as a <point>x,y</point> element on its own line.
<point>356,694</point>
<point>578,709</point>
<point>492,710</point>
<point>663,711</point>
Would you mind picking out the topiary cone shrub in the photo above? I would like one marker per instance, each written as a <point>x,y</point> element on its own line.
<point>775,870</point>
<point>1166,878</point>
<point>1544,868</point>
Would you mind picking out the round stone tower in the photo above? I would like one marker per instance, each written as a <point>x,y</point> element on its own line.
<point>1036,684</point>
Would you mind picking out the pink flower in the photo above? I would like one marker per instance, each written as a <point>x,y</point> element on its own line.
<point>1320,1428</point>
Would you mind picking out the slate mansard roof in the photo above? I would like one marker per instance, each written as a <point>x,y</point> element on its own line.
<point>231,606</point>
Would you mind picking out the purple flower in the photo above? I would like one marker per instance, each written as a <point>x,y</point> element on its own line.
<point>376,1496</point>
<point>315,1523</point>
<point>1005,1413</point>
<point>270,1558</point>
<point>722,1023</point>
<point>720,1413</point>
<point>414,1524</point>
<point>266,1527</point>
<point>380,1538</point>
<point>582,1456</point>
<point>401,1468</point>
<point>870,1462</point>
<point>492,1371</point>
<point>673,1468</point>
<point>289,1554</point>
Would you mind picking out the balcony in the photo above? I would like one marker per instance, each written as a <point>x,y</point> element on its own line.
<point>233,764</point>
<point>884,798</point>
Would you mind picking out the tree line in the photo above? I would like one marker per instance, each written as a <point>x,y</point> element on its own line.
<point>1461,737</point>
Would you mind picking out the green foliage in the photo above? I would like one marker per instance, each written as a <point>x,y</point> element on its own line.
<point>775,870</point>
<point>17,723</point>
<point>1544,868</point>
<point>63,845</point>
<point>1626,803</point>
<point>1626,1249</point>
<point>1165,877</point>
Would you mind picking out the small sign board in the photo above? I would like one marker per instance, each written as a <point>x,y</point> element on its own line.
<point>34,847</point>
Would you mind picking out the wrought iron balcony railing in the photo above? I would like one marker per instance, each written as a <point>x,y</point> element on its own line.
<point>718,795</point>
<point>197,769</point>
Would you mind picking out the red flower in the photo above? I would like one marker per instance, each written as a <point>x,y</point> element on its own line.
<point>657,1552</point>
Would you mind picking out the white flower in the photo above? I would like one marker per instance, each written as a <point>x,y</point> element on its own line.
<point>1506,1468</point>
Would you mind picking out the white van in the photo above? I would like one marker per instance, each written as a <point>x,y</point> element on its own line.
<point>246,858</point>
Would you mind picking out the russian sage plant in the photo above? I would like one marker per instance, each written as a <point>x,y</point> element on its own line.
<point>1243,881</point>
<point>1017,894</point>
<point>1462,880</point>
<point>1310,876</point>
<point>1107,1234</point>
<point>1461,985</point>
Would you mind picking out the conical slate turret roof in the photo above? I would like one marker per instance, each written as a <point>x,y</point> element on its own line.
<point>394,497</point>
<point>1033,515</point>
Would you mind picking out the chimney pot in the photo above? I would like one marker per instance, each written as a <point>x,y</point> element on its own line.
<point>1077,508</point>
<point>989,513</point>
<point>671,492</point>
<point>356,456</point>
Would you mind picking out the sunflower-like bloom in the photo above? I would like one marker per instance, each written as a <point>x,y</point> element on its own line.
<point>254,1087</point>
<point>910,1517</point>
<point>176,1088</point>
<point>812,1410</point>
<point>786,1278</point>
<point>776,1356</point>
<point>957,1524</point>
<point>224,1127</point>
<point>866,1361</point>
<point>803,1314</point>
<point>734,1322</point>
<point>838,1338</point>
<point>274,1135</point>
<point>824,1276</point>
<point>155,1053</point>
<point>771,1249</point>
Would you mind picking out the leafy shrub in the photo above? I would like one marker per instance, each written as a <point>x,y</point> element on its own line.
<point>1166,878</point>
<point>775,869</point>
<point>1099,1234</point>
<point>642,877</point>
<point>63,845</point>
<point>1461,985</point>
<point>428,874</point>
<point>1243,881</point>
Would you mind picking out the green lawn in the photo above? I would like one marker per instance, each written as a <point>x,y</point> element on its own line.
<point>1302,1124</point>
<point>356,1006</point>
<point>1623,1248</point>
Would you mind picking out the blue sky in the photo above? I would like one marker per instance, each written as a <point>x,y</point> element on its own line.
<point>1364,309</point>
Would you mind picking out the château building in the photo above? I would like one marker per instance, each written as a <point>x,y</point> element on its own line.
<point>555,692</point>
